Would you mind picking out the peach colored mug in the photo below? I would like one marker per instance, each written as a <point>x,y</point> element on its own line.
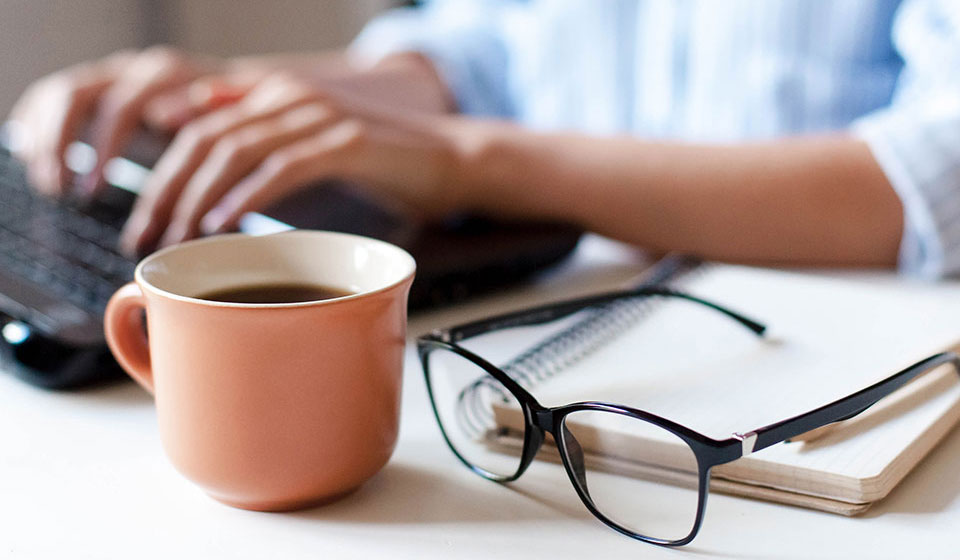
<point>270,406</point>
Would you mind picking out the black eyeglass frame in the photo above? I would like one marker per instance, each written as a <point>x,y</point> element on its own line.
<point>709,452</point>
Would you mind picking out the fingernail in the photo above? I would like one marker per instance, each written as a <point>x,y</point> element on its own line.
<point>214,221</point>
<point>127,244</point>
<point>88,186</point>
<point>131,235</point>
<point>53,176</point>
<point>42,177</point>
<point>174,235</point>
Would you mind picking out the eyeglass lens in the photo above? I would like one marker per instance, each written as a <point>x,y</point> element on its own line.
<point>637,474</point>
<point>481,419</point>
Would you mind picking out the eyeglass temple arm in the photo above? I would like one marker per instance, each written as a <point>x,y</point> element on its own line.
<point>842,409</point>
<point>552,312</point>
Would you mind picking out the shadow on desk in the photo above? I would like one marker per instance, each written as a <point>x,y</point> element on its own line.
<point>932,486</point>
<point>119,398</point>
<point>408,494</point>
<point>121,393</point>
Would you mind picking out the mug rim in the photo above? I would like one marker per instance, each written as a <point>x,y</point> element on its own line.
<point>146,286</point>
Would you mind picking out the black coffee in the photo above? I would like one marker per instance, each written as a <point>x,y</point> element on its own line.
<point>275,293</point>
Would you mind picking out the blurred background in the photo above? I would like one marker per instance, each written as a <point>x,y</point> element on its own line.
<point>40,36</point>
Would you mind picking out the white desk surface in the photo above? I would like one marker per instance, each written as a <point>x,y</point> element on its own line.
<point>82,475</point>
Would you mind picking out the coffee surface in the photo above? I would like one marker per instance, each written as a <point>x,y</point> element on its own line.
<point>274,293</point>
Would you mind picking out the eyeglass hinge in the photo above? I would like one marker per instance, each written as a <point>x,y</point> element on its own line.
<point>747,441</point>
<point>442,334</point>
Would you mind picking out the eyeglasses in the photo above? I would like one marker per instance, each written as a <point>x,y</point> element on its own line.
<point>496,427</point>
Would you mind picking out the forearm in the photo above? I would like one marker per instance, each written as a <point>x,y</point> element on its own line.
<point>405,80</point>
<point>821,200</point>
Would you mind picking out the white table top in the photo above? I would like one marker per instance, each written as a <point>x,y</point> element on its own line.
<point>82,475</point>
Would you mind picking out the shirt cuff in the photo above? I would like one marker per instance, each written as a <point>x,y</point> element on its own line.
<point>920,159</point>
<point>470,60</point>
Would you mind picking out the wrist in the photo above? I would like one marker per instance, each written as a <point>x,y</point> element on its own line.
<point>484,156</point>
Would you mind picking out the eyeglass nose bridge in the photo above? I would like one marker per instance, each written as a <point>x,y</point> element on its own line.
<point>544,418</point>
<point>541,421</point>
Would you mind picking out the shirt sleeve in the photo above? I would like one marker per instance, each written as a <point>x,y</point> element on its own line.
<point>463,41</point>
<point>916,139</point>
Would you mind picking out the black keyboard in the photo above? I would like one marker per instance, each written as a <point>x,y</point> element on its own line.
<point>58,268</point>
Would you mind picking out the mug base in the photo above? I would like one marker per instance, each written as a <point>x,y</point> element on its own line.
<point>279,506</point>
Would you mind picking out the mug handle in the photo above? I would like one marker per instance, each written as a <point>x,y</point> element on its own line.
<point>125,335</point>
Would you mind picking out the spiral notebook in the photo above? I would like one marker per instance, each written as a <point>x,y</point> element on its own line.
<point>829,337</point>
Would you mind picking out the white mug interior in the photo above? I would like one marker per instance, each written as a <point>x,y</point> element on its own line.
<point>350,263</point>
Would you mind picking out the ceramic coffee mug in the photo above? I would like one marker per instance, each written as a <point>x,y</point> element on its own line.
<point>270,406</point>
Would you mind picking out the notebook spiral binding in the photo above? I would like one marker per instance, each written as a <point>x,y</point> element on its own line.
<point>558,352</point>
<point>564,349</point>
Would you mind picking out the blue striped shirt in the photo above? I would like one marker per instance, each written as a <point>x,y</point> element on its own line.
<point>719,71</point>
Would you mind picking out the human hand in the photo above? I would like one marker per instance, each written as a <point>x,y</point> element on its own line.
<point>113,96</point>
<point>286,134</point>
